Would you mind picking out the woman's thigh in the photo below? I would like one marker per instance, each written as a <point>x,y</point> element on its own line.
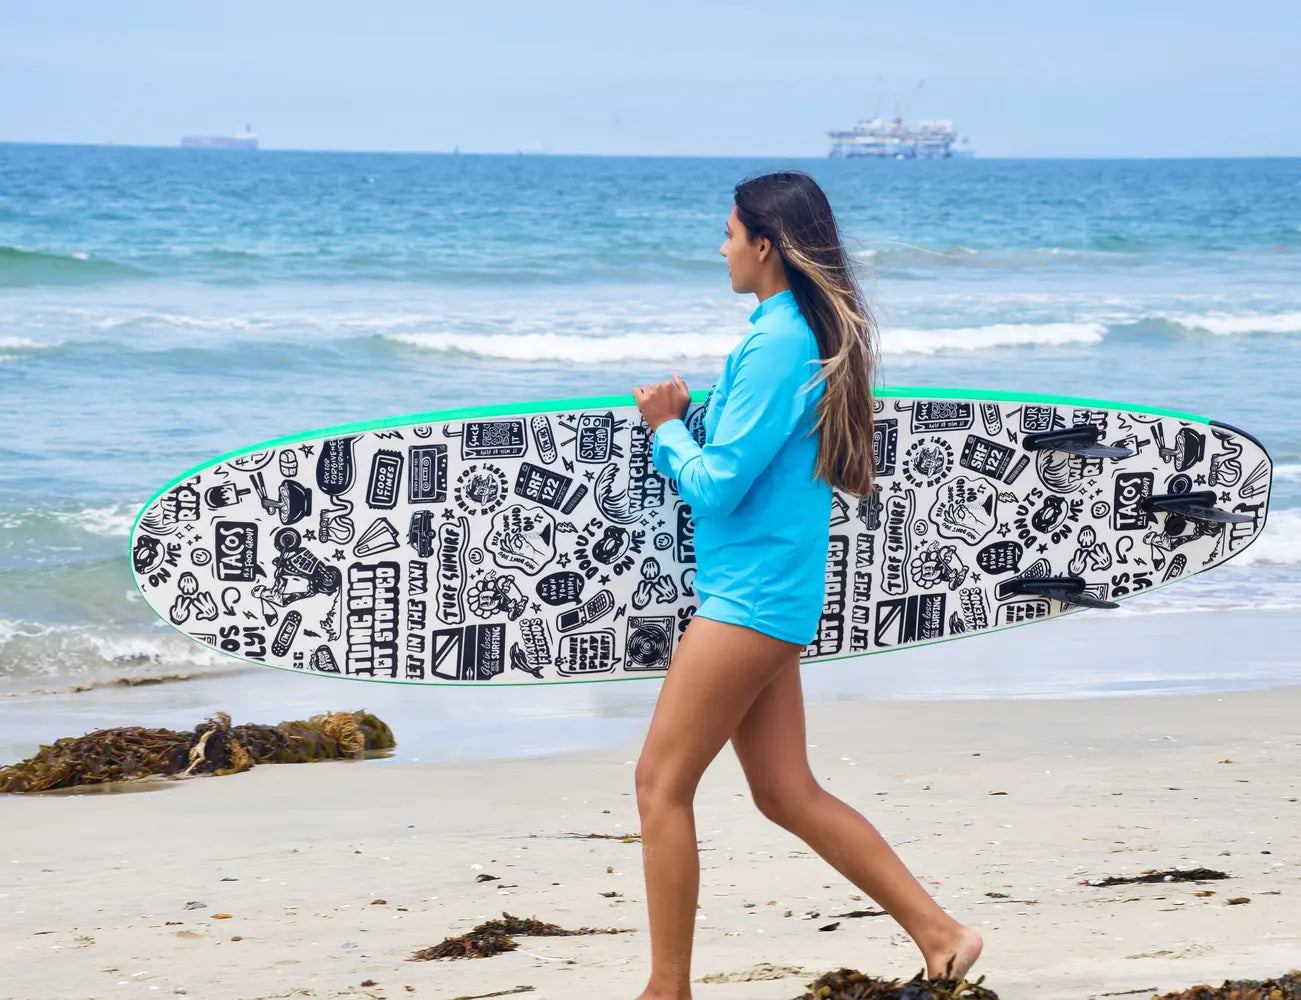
<point>772,746</point>
<point>714,679</point>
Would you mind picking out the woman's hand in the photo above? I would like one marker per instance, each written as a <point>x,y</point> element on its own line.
<point>662,401</point>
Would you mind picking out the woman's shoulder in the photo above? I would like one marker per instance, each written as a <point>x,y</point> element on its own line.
<point>783,330</point>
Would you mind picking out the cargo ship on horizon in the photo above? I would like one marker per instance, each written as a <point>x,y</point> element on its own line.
<point>242,140</point>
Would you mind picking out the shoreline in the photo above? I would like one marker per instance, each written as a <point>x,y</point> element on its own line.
<point>1026,798</point>
<point>1079,657</point>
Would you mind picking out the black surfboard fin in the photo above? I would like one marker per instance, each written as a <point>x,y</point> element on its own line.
<point>1199,506</point>
<point>1081,440</point>
<point>1067,589</point>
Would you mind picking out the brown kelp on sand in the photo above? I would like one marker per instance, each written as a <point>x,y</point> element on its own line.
<point>850,984</point>
<point>214,747</point>
<point>1286,987</point>
<point>492,937</point>
<point>1153,876</point>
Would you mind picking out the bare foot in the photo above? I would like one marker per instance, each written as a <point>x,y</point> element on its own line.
<point>648,994</point>
<point>956,957</point>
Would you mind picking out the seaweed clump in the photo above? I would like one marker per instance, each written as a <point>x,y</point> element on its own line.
<point>492,937</point>
<point>213,747</point>
<point>1287,987</point>
<point>850,984</point>
<point>1153,876</point>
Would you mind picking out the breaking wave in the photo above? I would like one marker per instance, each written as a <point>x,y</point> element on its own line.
<point>552,347</point>
<point>37,657</point>
<point>1278,544</point>
<point>21,268</point>
<point>1231,324</point>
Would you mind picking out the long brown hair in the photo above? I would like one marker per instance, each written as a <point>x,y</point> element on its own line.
<point>790,209</point>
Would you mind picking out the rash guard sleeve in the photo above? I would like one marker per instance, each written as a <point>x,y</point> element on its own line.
<point>764,403</point>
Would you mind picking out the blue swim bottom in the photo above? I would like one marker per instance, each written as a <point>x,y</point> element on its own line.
<point>777,623</point>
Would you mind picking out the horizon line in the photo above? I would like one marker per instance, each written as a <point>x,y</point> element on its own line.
<point>457,151</point>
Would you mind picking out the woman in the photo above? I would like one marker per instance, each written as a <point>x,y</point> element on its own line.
<point>790,417</point>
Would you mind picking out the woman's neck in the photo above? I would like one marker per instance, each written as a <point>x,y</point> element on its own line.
<point>775,286</point>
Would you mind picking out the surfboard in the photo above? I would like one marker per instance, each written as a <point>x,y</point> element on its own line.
<point>536,543</point>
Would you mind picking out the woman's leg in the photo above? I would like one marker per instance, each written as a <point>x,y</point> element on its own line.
<point>771,745</point>
<point>715,676</point>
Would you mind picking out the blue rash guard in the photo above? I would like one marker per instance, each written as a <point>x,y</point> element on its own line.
<point>762,520</point>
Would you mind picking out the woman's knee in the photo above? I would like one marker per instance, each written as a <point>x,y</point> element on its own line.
<point>786,804</point>
<point>659,783</point>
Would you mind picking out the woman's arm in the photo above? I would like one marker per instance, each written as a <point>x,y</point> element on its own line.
<point>763,405</point>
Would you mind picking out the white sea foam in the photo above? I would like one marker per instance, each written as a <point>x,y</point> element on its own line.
<point>111,521</point>
<point>186,322</point>
<point>1278,544</point>
<point>980,338</point>
<point>1288,472</point>
<point>658,346</point>
<point>27,344</point>
<point>1233,324</point>
<point>37,655</point>
<point>604,326</point>
<point>575,349</point>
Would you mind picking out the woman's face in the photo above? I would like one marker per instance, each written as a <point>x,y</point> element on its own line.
<point>742,255</point>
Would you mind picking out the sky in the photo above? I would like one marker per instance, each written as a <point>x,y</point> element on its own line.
<point>1092,78</point>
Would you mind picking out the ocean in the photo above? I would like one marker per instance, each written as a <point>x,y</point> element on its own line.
<point>161,306</point>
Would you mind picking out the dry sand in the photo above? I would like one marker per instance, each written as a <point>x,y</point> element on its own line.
<point>1003,808</point>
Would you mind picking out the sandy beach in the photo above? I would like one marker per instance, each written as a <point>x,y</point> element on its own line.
<point>332,874</point>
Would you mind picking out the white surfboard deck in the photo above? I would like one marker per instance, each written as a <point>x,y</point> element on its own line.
<point>536,543</point>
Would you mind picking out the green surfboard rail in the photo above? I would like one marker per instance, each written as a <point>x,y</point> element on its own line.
<point>627,400</point>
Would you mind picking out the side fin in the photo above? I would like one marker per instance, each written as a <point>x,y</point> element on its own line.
<point>1080,440</point>
<point>1067,589</point>
<point>1199,506</point>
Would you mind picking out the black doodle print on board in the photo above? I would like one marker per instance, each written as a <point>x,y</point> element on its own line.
<point>544,439</point>
<point>491,438</point>
<point>928,461</point>
<point>546,547</point>
<point>885,446</point>
<point>480,489</point>
<point>335,469</point>
<point>542,485</point>
<point>965,509</point>
<point>374,594</point>
<point>427,473</point>
<point>1000,557</point>
<point>585,654</point>
<point>382,488</point>
<point>649,642</point>
<point>940,415</point>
